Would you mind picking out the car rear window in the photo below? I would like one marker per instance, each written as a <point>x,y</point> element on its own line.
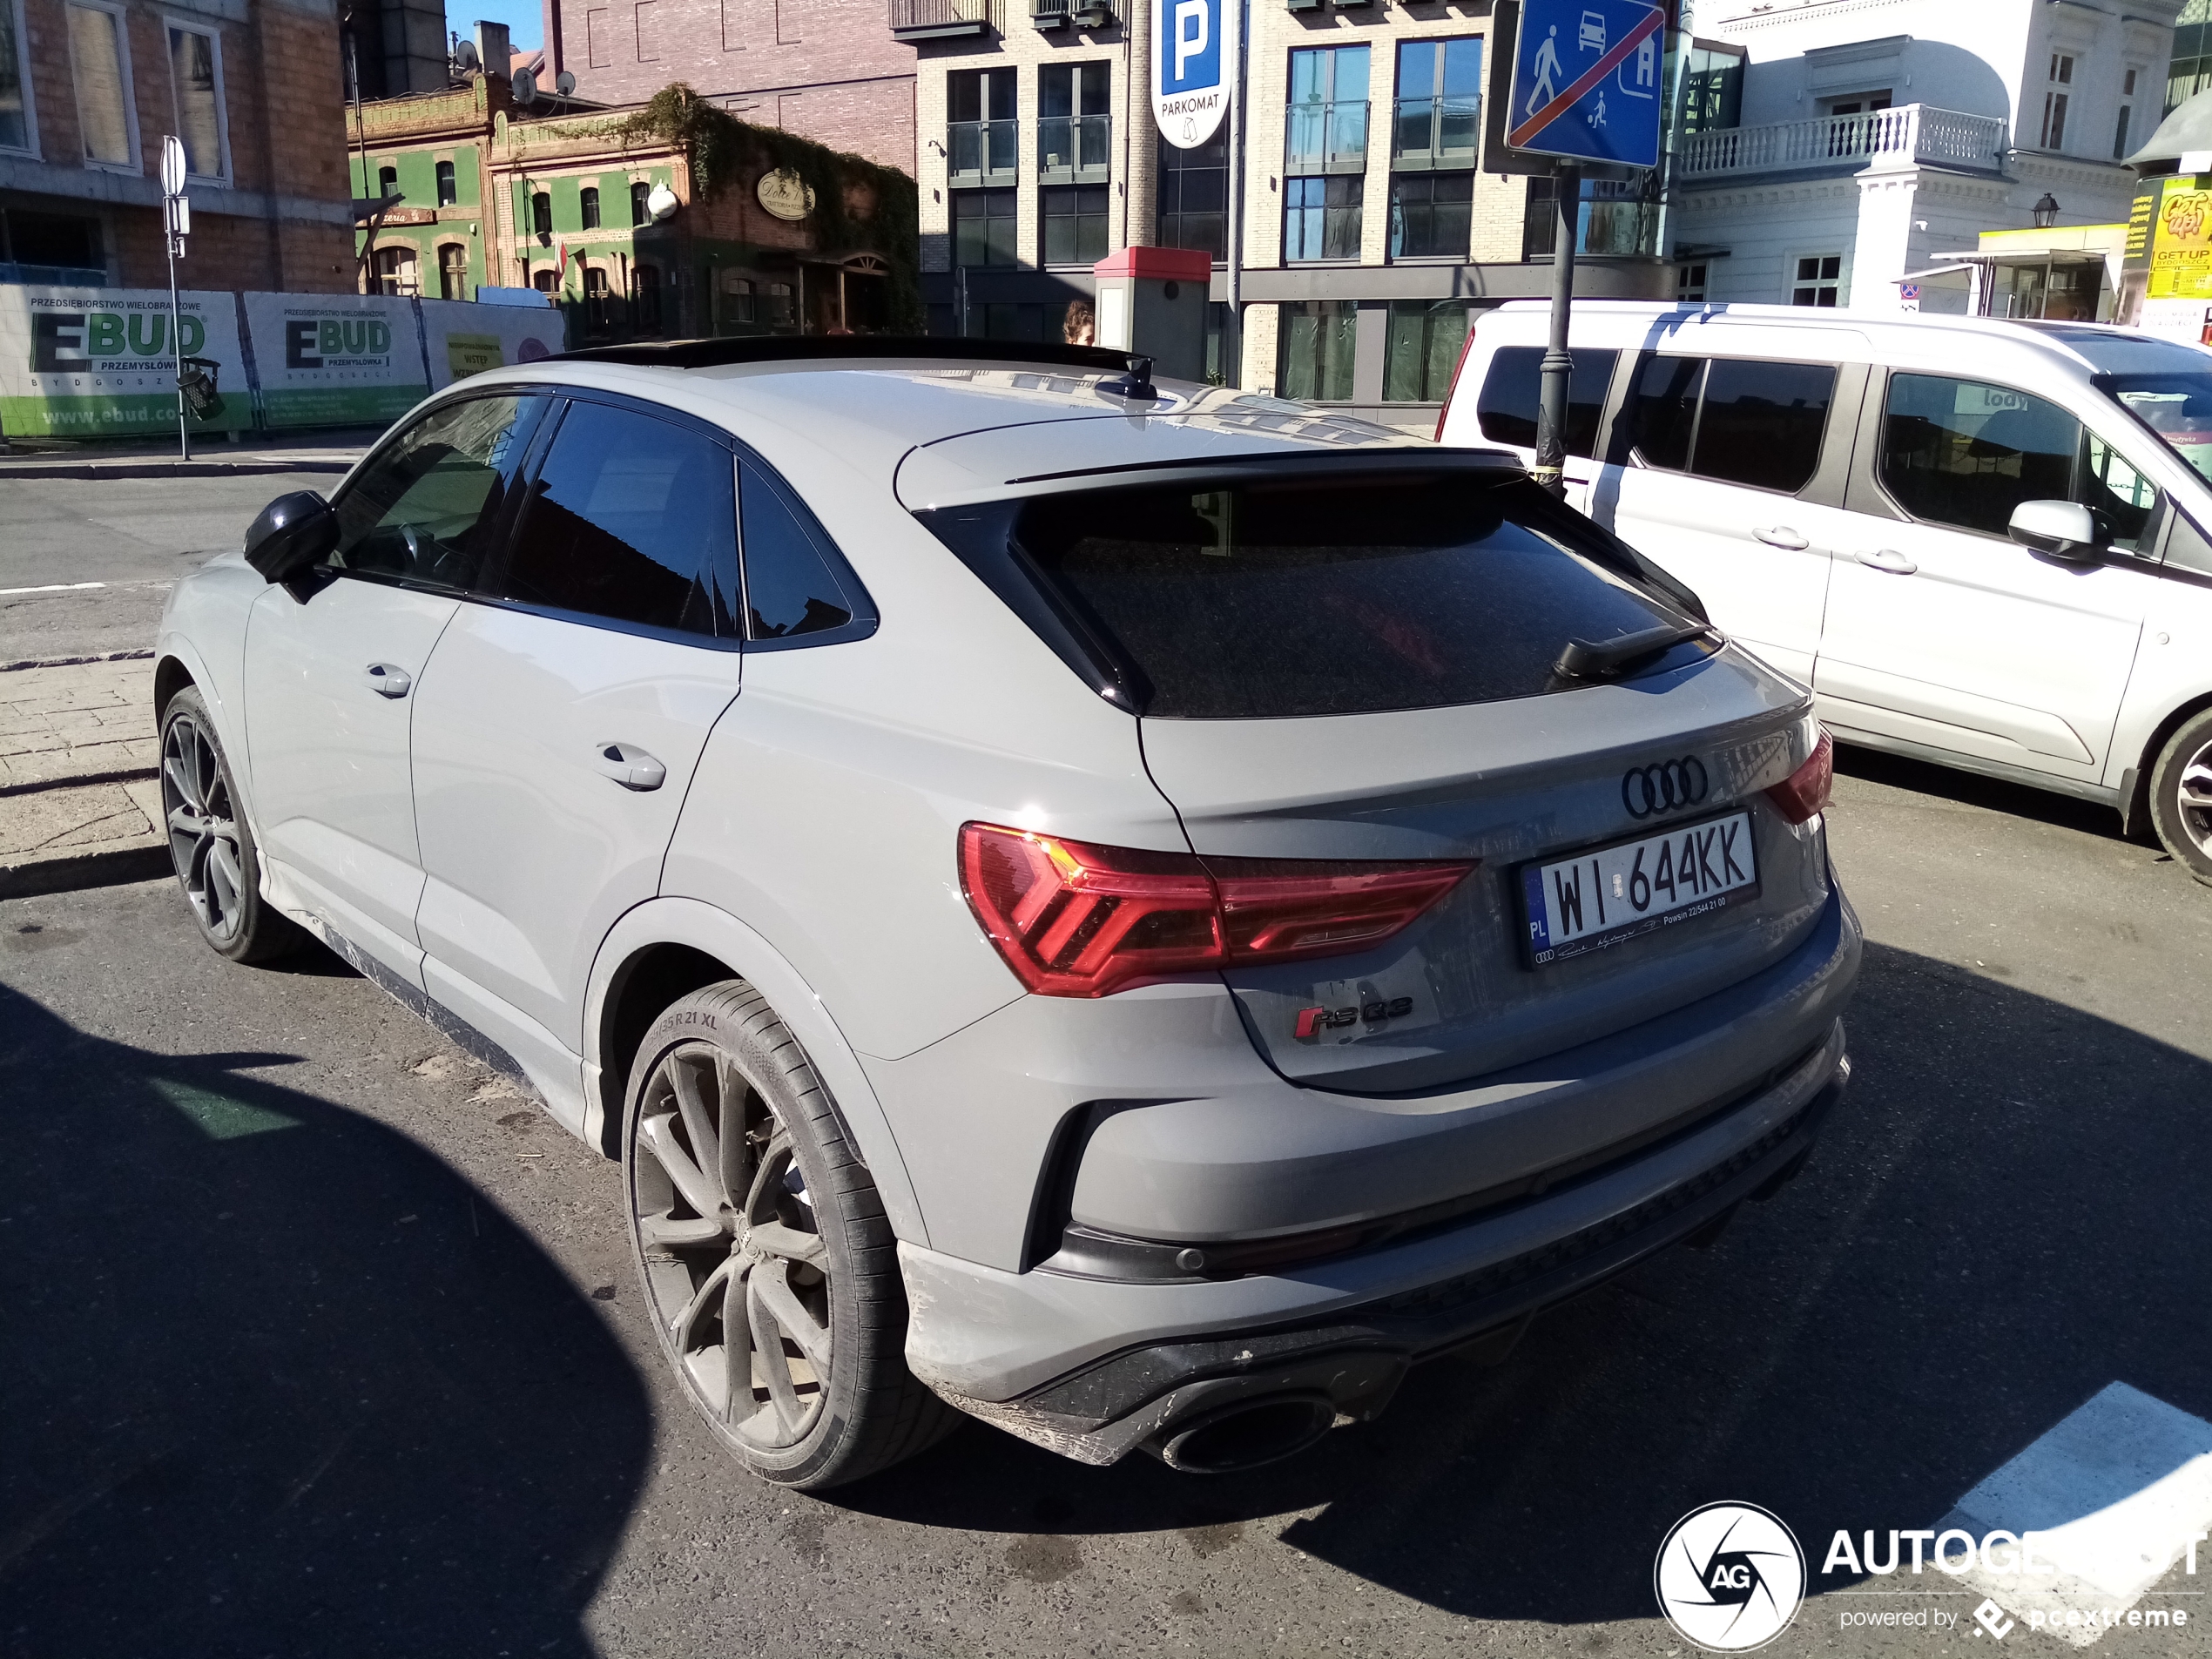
<point>1306,594</point>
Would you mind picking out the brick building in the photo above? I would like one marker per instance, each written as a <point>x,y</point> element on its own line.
<point>88,88</point>
<point>826,69</point>
<point>1370,234</point>
<point>566,203</point>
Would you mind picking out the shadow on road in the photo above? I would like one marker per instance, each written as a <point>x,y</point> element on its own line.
<point>2005,1214</point>
<point>1948,783</point>
<point>277,1382</point>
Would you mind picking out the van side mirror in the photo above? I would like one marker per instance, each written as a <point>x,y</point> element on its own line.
<point>2065,529</point>
<point>292,532</point>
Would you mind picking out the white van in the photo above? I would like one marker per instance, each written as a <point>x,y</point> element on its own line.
<point>1983,544</point>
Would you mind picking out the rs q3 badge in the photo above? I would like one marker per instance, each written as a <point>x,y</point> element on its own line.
<point>1312,1022</point>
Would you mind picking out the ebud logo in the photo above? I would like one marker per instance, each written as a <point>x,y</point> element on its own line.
<point>1730,1577</point>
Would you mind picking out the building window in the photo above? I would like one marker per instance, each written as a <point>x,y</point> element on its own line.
<point>588,207</point>
<point>1819,279</point>
<point>1422,348</point>
<point>1689,285</point>
<point>598,313</point>
<point>1431,215</point>
<point>1321,217</point>
<point>2055,102</point>
<point>1614,218</point>
<point>99,59</point>
<point>448,190</point>
<point>196,85</point>
<point>1326,131</point>
<point>980,138</point>
<point>738,308</point>
<point>1439,104</point>
<point>387,181</point>
<point>452,271</point>
<point>1075,223</point>
<point>640,195</point>
<point>778,308</point>
<point>62,242</point>
<point>542,214</point>
<point>1074,131</point>
<point>543,281</point>
<point>2120,134</point>
<point>1313,358</point>
<point>983,224</point>
<point>1712,87</point>
<point>645,299</point>
<point>1194,195</point>
<point>395,271</point>
<point>15,82</point>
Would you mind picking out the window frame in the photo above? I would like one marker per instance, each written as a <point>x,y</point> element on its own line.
<point>442,248</point>
<point>30,146</point>
<point>170,20</point>
<point>587,207</point>
<point>126,73</point>
<point>1841,280</point>
<point>442,175</point>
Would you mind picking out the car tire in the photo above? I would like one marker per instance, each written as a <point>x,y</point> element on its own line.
<point>2180,796</point>
<point>211,844</point>
<point>779,1226</point>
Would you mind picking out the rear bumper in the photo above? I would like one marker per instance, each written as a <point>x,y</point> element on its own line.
<point>1091,1368</point>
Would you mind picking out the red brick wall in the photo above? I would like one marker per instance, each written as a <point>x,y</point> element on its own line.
<point>826,70</point>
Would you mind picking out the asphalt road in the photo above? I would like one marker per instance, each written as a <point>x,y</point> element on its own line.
<point>320,1341</point>
<point>134,537</point>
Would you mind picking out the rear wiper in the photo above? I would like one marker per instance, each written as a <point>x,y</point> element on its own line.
<point>1581,659</point>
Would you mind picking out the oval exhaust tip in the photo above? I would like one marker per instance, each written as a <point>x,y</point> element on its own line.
<point>1248,1435</point>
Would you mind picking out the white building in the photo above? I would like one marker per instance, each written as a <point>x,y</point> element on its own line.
<point>1852,141</point>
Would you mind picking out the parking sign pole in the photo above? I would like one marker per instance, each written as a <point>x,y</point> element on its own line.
<point>172,225</point>
<point>1557,375</point>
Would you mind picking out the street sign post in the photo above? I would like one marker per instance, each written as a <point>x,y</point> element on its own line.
<point>176,223</point>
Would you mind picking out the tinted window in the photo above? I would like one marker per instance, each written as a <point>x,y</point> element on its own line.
<point>1762,423</point>
<point>1506,407</point>
<point>625,520</point>
<point>789,587</point>
<point>1328,595</point>
<point>426,507</point>
<point>1964,453</point>
<point>1661,412</point>
<point>2108,481</point>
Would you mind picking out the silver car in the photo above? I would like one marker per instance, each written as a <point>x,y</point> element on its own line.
<point>1130,911</point>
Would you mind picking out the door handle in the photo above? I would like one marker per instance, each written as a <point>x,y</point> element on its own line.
<point>386,680</point>
<point>1783,536</point>
<point>1888,560</point>
<point>628,765</point>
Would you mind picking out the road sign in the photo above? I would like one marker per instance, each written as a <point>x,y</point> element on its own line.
<point>1586,81</point>
<point>172,166</point>
<point>1194,68</point>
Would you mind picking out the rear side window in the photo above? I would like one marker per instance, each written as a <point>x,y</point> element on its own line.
<point>1327,595</point>
<point>626,519</point>
<point>1506,406</point>
<point>789,589</point>
<point>1735,421</point>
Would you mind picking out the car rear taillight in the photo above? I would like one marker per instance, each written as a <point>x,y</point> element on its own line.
<point>1805,791</point>
<point>1073,919</point>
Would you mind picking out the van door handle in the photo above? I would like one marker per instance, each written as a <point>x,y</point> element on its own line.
<point>628,765</point>
<point>386,680</point>
<point>1783,536</point>
<point>1888,559</point>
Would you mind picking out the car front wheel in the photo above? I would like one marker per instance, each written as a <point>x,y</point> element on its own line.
<point>211,843</point>
<point>2180,796</point>
<point>769,1270</point>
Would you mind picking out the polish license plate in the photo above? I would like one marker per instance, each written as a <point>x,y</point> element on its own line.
<point>1606,897</point>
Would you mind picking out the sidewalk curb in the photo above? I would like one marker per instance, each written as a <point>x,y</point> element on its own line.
<point>139,655</point>
<point>105,869</point>
<point>167,468</point>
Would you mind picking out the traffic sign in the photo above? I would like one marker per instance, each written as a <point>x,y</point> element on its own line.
<point>1194,68</point>
<point>1587,84</point>
<point>172,166</point>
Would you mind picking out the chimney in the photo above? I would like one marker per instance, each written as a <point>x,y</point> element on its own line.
<point>492,49</point>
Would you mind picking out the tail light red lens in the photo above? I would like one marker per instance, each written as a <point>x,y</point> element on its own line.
<point>1805,791</point>
<point>1073,919</point>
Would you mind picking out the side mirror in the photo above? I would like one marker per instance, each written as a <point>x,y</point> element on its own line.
<point>292,532</point>
<point>2065,529</point>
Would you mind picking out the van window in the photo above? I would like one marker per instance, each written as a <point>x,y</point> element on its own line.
<point>1966,454</point>
<point>1738,421</point>
<point>1506,407</point>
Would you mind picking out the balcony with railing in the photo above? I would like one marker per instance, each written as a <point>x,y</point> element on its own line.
<point>1435,134</point>
<point>1912,134</point>
<point>981,152</point>
<point>1326,137</point>
<point>1075,149</point>
<point>945,20</point>
<point>1058,14</point>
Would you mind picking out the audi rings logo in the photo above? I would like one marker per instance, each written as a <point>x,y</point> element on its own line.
<point>1649,791</point>
<point>1730,1577</point>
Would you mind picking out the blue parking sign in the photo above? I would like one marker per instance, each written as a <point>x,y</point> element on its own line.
<point>1192,59</point>
<point>1586,81</point>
